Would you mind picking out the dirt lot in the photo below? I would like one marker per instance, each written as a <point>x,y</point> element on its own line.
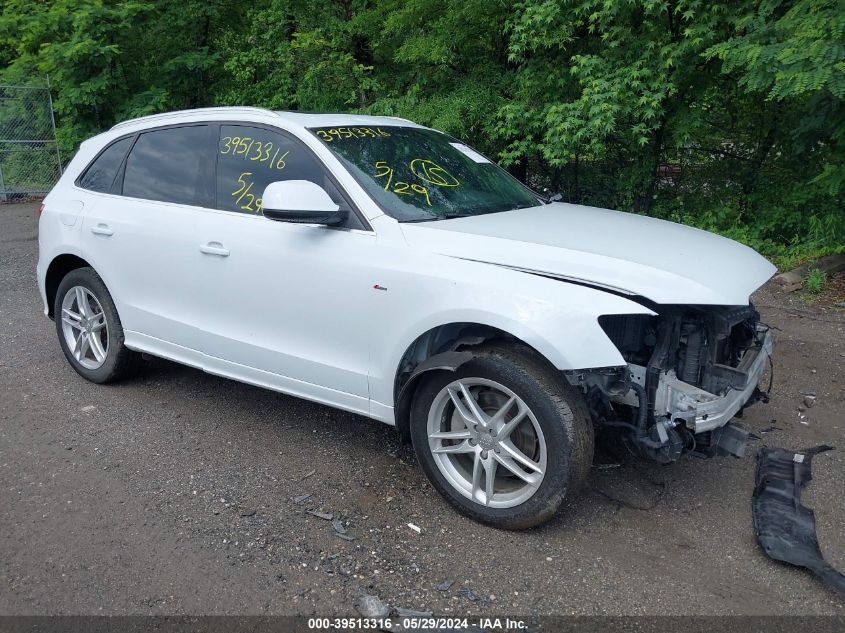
<point>173,493</point>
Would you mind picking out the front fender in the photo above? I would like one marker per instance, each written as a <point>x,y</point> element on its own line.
<point>556,318</point>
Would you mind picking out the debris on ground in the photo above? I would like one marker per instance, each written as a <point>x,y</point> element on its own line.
<point>300,498</point>
<point>247,512</point>
<point>371,607</point>
<point>307,475</point>
<point>786,529</point>
<point>412,613</point>
<point>321,515</point>
<point>446,585</point>
<point>415,528</point>
<point>338,526</point>
<point>468,593</point>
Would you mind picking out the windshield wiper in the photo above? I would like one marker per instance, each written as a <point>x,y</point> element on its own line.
<point>445,216</point>
<point>452,216</point>
<point>413,220</point>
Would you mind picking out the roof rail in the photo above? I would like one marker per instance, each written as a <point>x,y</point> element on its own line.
<point>399,118</point>
<point>181,113</point>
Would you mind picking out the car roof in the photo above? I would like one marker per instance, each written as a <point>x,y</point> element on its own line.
<point>247,114</point>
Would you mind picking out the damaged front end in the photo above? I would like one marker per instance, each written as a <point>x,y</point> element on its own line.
<point>691,370</point>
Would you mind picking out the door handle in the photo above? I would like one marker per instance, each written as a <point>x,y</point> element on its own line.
<point>102,229</point>
<point>214,248</point>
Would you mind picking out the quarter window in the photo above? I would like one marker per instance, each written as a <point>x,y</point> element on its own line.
<point>170,165</point>
<point>250,158</point>
<point>100,174</point>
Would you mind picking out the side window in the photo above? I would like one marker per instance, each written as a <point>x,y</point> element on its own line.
<point>100,174</point>
<point>170,165</point>
<point>249,159</point>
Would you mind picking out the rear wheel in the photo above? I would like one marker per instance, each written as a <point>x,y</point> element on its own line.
<point>89,328</point>
<point>504,438</point>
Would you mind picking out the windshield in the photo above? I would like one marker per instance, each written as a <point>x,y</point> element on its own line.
<point>417,174</point>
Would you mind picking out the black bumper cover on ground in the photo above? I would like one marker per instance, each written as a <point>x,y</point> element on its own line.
<point>785,528</point>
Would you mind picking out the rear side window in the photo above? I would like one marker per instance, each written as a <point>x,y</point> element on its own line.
<point>171,165</point>
<point>100,174</point>
<point>249,159</point>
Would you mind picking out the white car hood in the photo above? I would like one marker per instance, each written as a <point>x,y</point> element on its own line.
<point>659,260</point>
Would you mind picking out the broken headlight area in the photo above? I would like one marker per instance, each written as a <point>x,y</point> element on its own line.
<point>691,370</point>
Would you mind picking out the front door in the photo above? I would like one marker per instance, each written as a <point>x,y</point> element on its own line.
<point>286,305</point>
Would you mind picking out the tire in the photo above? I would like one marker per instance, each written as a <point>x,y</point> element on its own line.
<point>112,360</point>
<point>555,434</point>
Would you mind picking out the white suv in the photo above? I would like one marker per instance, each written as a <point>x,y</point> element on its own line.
<point>384,268</point>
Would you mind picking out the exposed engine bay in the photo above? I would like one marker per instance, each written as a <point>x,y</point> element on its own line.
<point>691,369</point>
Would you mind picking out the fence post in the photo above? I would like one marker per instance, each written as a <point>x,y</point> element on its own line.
<point>53,123</point>
<point>3,196</point>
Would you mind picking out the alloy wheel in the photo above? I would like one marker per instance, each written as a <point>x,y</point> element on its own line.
<point>486,442</point>
<point>85,327</point>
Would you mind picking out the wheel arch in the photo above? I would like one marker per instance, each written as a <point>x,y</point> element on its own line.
<point>442,348</point>
<point>59,267</point>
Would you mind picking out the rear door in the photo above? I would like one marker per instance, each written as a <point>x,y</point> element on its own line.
<point>142,235</point>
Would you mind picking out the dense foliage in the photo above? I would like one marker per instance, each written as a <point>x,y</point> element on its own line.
<point>725,115</point>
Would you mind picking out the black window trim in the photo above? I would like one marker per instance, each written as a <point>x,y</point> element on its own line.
<point>78,181</point>
<point>350,202</point>
<point>215,125</point>
<point>117,185</point>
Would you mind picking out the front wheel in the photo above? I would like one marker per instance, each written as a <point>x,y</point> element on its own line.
<point>504,438</point>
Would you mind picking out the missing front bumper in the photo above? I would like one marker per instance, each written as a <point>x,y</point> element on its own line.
<point>701,411</point>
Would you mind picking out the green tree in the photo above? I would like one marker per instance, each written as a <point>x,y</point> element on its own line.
<point>791,57</point>
<point>725,115</point>
<point>110,61</point>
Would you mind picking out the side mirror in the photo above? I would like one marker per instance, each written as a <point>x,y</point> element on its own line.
<point>302,202</point>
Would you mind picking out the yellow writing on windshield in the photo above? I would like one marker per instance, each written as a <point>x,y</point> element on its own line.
<point>432,173</point>
<point>400,187</point>
<point>340,133</point>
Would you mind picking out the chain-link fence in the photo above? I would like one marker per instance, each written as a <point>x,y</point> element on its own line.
<point>30,162</point>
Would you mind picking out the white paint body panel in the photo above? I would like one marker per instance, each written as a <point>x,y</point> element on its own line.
<point>662,261</point>
<point>295,308</point>
<point>152,250</point>
<point>290,299</point>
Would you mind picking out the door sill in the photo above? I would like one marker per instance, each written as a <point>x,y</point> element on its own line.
<point>257,377</point>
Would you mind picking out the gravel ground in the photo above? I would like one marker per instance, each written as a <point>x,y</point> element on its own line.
<point>179,492</point>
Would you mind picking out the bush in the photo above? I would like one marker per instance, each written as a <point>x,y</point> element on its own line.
<point>814,281</point>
